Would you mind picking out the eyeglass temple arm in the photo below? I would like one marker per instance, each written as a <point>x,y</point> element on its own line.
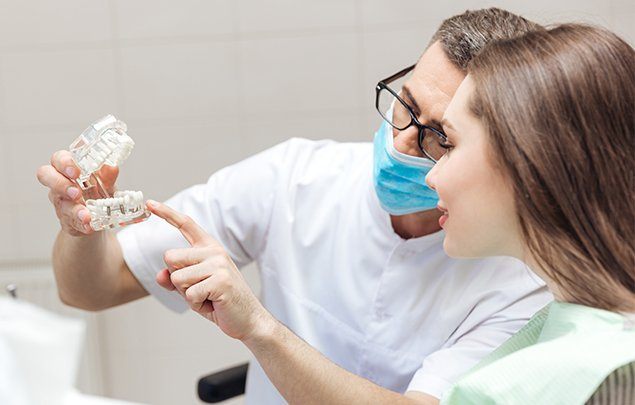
<point>399,74</point>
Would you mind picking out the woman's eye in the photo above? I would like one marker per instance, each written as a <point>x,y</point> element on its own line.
<point>446,145</point>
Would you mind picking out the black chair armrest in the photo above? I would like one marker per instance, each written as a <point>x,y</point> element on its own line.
<point>223,384</point>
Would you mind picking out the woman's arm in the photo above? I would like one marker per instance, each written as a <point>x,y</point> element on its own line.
<point>304,376</point>
<point>212,285</point>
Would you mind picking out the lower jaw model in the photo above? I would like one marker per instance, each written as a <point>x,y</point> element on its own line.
<point>106,142</point>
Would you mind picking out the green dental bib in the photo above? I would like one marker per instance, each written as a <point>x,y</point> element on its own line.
<point>561,356</point>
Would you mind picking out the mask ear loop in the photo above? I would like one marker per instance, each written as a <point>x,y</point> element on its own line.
<point>399,156</point>
<point>405,158</point>
<point>391,110</point>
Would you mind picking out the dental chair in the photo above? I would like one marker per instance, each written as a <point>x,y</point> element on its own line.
<point>223,385</point>
<point>617,389</point>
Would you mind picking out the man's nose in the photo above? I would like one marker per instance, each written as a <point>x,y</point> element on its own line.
<point>407,141</point>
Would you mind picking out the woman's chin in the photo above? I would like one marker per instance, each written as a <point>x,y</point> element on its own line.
<point>449,248</point>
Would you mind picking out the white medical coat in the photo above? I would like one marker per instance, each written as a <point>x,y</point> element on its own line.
<point>400,313</point>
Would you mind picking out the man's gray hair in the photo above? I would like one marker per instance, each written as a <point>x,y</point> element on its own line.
<point>465,35</point>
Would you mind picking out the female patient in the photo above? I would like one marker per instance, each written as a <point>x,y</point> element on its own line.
<point>540,165</point>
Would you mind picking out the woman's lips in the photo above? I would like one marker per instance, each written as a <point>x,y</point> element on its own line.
<point>442,219</point>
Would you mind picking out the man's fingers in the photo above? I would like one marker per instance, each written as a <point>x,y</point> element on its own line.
<point>62,161</point>
<point>206,309</point>
<point>198,294</point>
<point>163,279</point>
<point>179,258</point>
<point>185,278</point>
<point>75,211</point>
<point>194,234</point>
<point>49,177</point>
<point>76,215</point>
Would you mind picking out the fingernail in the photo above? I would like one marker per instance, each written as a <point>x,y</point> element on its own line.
<point>88,228</point>
<point>70,172</point>
<point>82,215</point>
<point>72,192</point>
<point>153,203</point>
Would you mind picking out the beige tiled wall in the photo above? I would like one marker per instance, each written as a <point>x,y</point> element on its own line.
<point>201,84</point>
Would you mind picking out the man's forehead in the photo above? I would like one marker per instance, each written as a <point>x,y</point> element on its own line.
<point>453,116</point>
<point>435,69</point>
<point>433,83</point>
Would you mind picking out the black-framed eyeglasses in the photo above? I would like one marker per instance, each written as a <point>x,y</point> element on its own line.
<point>402,116</point>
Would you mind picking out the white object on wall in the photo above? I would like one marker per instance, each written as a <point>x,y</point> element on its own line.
<point>41,356</point>
<point>35,284</point>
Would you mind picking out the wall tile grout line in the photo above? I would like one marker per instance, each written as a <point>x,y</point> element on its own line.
<point>117,60</point>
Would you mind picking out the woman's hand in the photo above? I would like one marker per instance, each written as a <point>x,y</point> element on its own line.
<point>208,279</point>
<point>212,285</point>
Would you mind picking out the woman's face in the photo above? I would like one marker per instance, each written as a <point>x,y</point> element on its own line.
<point>480,218</point>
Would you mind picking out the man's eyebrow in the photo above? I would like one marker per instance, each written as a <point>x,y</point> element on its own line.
<point>417,109</point>
<point>411,100</point>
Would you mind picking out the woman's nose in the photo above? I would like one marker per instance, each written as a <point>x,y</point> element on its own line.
<point>432,176</point>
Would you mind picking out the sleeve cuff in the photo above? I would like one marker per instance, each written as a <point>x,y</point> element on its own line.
<point>429,384</point>
<point>144,273</point>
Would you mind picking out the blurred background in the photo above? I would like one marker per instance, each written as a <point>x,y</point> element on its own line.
<point>201,84</point>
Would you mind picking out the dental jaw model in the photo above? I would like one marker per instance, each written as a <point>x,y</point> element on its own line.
<point>106,142</point>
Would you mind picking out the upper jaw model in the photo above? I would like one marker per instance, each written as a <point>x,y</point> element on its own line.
<point>106,142</point>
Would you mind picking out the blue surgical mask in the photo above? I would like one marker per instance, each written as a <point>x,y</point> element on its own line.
<point>400,178</point>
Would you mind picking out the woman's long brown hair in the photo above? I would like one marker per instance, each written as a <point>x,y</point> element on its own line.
<point>559,106</point>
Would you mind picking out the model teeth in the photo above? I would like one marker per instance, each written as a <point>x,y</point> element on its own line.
<point>123,208</point>
<point>111,149</point>
<point>106,142</point>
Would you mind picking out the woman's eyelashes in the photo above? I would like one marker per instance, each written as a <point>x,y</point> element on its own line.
<point>446,144</point>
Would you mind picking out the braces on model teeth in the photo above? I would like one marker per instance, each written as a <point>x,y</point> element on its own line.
<point>106,142</point>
